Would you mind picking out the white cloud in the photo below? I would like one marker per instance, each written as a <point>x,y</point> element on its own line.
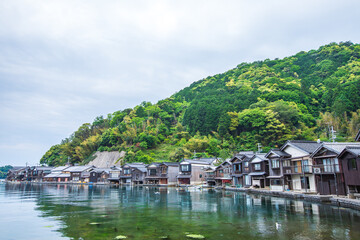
<point>64,62</point>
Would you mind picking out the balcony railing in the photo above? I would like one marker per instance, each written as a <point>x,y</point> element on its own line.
<point>316,169</point>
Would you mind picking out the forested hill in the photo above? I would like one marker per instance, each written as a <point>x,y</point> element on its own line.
<point>267,102</point>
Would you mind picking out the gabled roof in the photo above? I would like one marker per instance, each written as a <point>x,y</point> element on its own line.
<point>224,163</point>
<point>44,168</point>
<point>353,150</point>
<point>172,164</point>
<point>336,147</point>
<point>192,161</point>
<point>60,168</point>
<point>100,170</point>
<point>153,165</point>
<point>138,165</point>
<point>79,168</point>
<point>207,160</point>
<point>259,157</point>
<point>306,146</point>
<point>278,153</point>
<point>17,168</point>
<point>357,138</point>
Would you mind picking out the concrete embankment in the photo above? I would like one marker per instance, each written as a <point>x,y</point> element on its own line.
<point>328,199</point>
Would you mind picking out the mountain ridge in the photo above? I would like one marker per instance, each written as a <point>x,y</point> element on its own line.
<point>267,102</point>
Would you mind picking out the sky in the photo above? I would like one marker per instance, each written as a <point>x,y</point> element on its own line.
<point>65,62</point>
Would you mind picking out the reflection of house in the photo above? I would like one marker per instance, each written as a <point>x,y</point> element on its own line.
<point>328,173</point>
<point>133,173</point>
<point>259,170</point>
<point>223,174</point>
<point>162,173</point>
<point>350,162</point>
<point>192,171</point>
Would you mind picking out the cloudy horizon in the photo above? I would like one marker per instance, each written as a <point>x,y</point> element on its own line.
<point>63,63</point>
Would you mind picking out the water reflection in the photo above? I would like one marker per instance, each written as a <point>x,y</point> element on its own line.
<point>104,212</point>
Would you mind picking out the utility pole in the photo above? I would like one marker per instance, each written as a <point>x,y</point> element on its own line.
<point>332,133</point>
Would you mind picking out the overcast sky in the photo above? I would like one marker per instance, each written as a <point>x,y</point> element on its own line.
<point>62,63</point>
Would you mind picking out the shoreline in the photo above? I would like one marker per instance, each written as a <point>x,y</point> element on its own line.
<point>336,201</point>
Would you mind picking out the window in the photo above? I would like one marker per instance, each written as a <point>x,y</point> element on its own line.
<point>305,165</point>
<point>246,164</point>
<point>152,172</point>
<point>247,180</point>
<point>126,171</point>
<point>305,184</point>
<point>257,166</point>
<point>286,163</point>
<point>185,168</point>
<point>275,182</point>
<point>352,164</point>
<point>275,163</point>
<point>236,167</point>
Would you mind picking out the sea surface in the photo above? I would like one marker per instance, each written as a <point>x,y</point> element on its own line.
<point>35,211</point>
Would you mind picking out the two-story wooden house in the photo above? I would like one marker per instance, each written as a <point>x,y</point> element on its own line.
<point>259,170</point>
<point>17,173</point>
<point>279,170</point>
<point>38,173</point>
<point>153,174</point>
<point>114,175</point>
<point>328,173</point>
<point>192,172</point>
<point>133,173</point>
<point>240,168</point>
<point>223,174</point>
<point>164,173</point>
<point>58,174</point>
<point>76,172</point>
<point>302,177</point>
<point>349,160</point>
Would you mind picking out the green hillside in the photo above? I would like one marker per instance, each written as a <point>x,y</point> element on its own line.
<point>267,102</point>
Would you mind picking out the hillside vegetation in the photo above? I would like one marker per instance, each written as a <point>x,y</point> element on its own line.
<point>266,102</point>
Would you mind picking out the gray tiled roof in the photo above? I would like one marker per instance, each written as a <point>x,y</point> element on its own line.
<point>78,168</point>
<point>279,153</point>
<point>338,147</point>
<point>353,150</point>
<point>60,168</point>
<point>206,160</point>
<point>174,164</point>
<point>191,161</point>
<point>307,146</point>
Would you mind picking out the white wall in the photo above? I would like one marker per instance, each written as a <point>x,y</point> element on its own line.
<point>295,152</point>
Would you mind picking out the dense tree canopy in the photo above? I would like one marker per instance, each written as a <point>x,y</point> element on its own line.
<point>267,102</point>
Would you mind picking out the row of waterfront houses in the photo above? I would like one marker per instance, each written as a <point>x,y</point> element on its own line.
<point>327,168</point>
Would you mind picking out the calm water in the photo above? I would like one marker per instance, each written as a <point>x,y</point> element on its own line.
<point>30,211</point>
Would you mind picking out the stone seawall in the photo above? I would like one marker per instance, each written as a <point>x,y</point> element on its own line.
<point>328,199</point>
